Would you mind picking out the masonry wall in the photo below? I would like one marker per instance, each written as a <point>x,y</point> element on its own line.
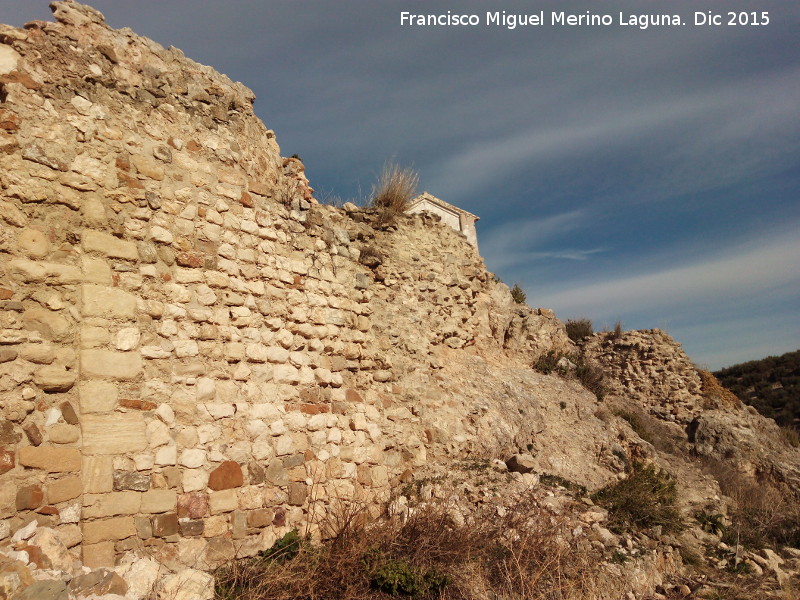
<point>195,356</point>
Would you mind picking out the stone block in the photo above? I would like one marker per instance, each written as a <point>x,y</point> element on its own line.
<point>193,505</point>
<point>62,433</point>
<point>261,517</point>
<point>111,504</point>
<point>97,474</point>
<point>223,501</point>
<point>165,525</point>
<point>192,528</point>
<point>113,434</point>
<point>131,480</point>
<point>98,555</point>
<point>97,396</point>
<point>226,476</point>
<point>108,245</point>
<point>54,378</point>
<point>29,497</point>
<point>159,501</point>
<point>50,458</point>
<point>104,530</point>
<point>110,364</point>
<point>64,489</point>
<point>297,493</point>
<point>53,325</point>
<point>96,270</point>
<point>109,302</point>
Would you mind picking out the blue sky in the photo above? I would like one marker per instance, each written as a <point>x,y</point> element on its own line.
<point>648,176</point>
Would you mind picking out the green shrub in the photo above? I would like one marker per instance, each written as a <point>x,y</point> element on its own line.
<point>547,363</point>
<point>577,329</point>
<point>394,577</point>
<point>284,549</point>
<point>645,499</point>
<point>518,294</point>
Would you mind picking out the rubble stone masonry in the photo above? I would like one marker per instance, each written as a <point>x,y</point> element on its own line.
<point>195,355</point>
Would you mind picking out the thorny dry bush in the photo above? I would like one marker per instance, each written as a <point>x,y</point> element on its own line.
<point>526,554</point>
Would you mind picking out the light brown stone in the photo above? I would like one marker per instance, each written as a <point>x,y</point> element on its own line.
<point>223,501</point>
<point>54,378</point>
<point>113,365</point>
<point>159,501</point>
<point>98,555</point>
<point>97,396</point>
<point>110,302</point>
<point>103,530</point>
<point>33,243</point>
<point>97,474</point>
<point>111,504</point>
<point>64,489</point>
<point>51,324</point>
<point>116,433</point>
<point>108,245</point>
<point>63,433</point>
<point>50,458</point>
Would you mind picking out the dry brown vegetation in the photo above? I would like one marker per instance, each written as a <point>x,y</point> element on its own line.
<point>764,514</point>
<point>395,189</point>
<point>523,555</point>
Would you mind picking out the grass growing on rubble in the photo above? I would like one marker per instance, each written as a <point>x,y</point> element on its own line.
<point>430,554</point>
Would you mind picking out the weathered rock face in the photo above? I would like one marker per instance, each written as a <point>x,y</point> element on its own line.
<point>195,352</point>
<point>649,369</point>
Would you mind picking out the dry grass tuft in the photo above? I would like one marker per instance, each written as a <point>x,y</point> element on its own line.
<point>395,189</point>
<point>430,554</point>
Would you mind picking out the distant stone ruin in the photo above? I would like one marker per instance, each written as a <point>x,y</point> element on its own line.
<point>457,218</point>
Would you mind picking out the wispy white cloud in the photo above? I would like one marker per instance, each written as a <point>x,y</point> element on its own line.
<point>520,242</point>
<point>770,268</point>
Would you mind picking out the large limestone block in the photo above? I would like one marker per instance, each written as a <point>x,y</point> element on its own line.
<point>97,396</point>
<point>107,244</point>
<point>117,528</point>
<point>51,459</point>
<point>111,505</point>
<point>110,364</point>
<point>115,433</point>
<point>103,301</point>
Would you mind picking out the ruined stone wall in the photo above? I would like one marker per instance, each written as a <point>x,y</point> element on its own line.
<point>195,356</point>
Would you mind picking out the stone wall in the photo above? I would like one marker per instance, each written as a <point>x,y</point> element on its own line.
<point>196,356</point>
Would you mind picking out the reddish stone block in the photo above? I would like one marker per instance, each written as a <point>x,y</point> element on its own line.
<point>6,294</point>
<point>6,461</point>
<point>247,200</point>
<point>313,409</point>
<point>226,476</point>
<point>194,260</point>
<point>29,497</point>
<point>352,396</point>
<point>165,525</point>
<point>137,404</point>
<point>34,434</point>
<point>48,510</point>
<point>193,146</point>
<point>193,505</point>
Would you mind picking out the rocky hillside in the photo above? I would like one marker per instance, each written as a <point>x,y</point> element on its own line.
<point>771,385</point>
<point>197,358</point>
